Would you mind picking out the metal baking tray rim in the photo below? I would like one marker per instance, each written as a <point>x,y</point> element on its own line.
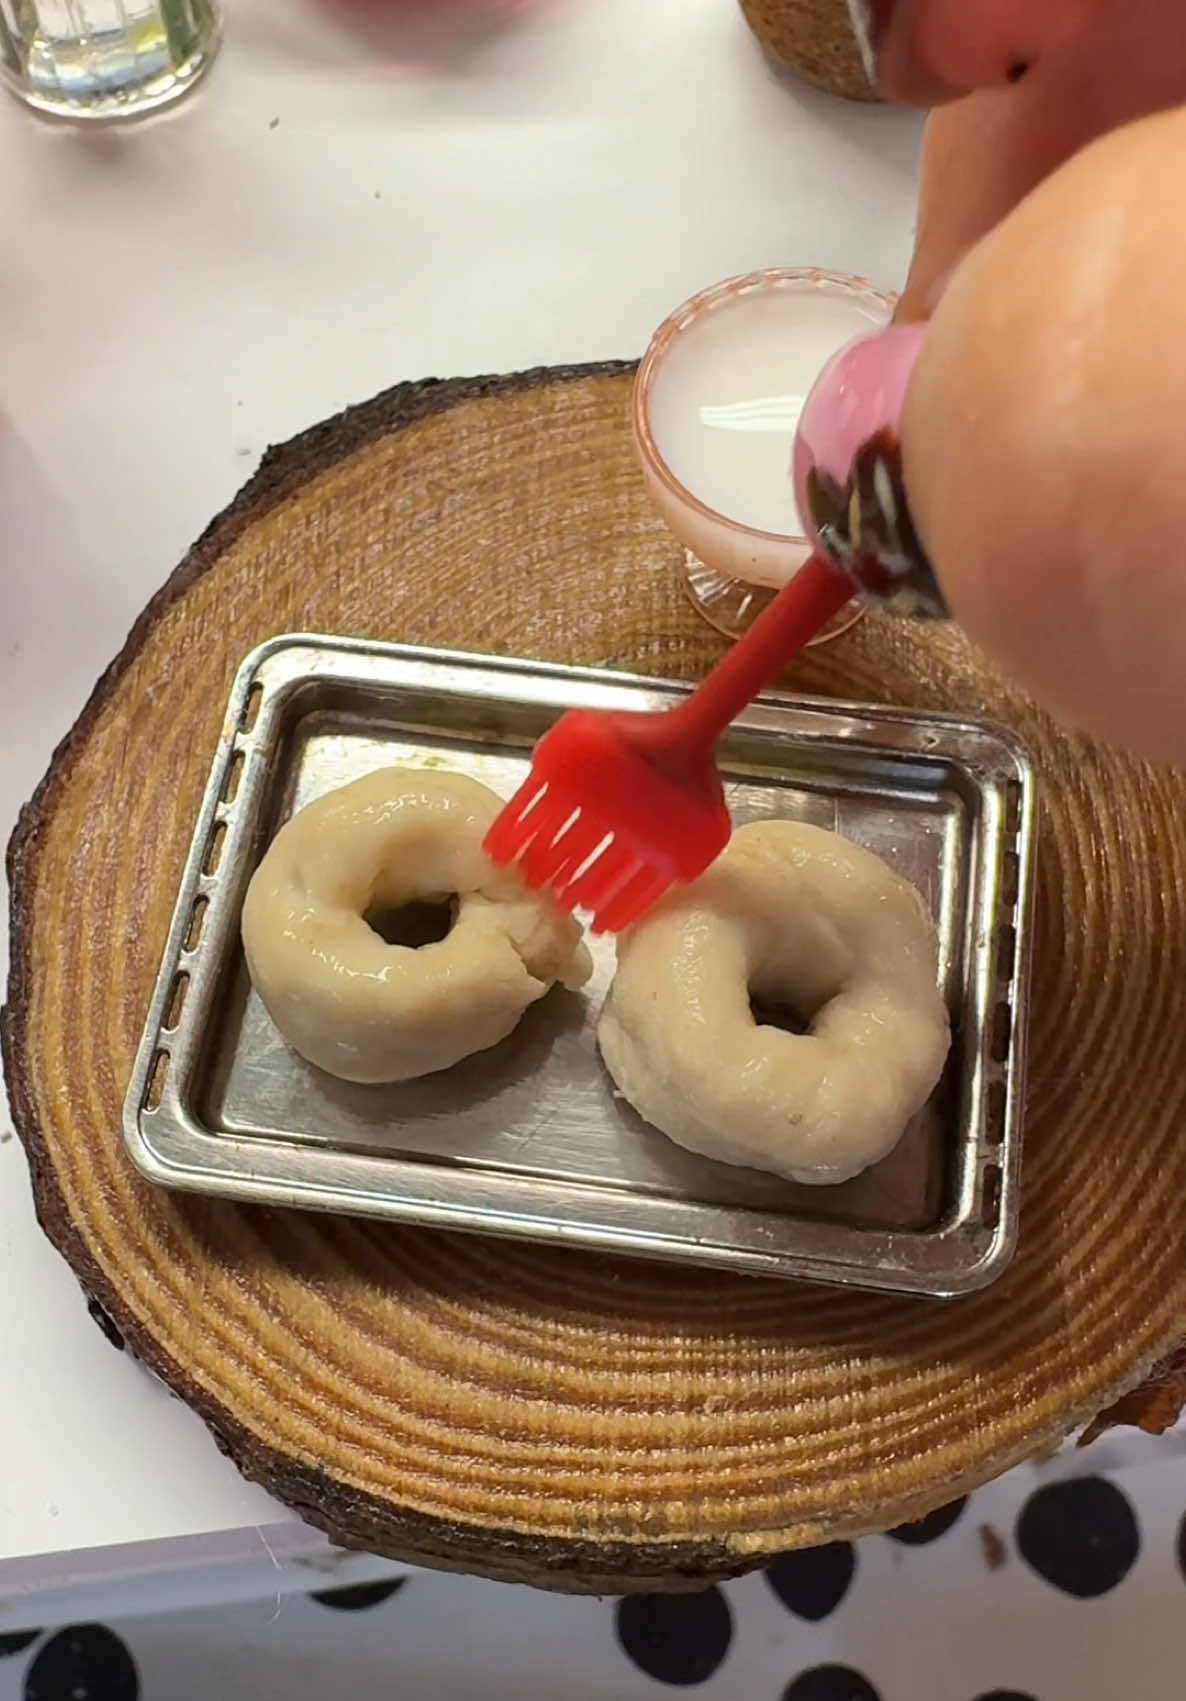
<point>152,1145</point>
<point>564,672</point>
<point>970,1269</point>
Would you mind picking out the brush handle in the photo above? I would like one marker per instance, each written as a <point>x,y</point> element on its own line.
<point>800,609</point>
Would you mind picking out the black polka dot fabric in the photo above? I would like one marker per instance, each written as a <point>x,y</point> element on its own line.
<point>830,1683</point>
<point>16,1641</point>
<point>930,1528</point>
<point>676,1639</point>
<point>938,1613</point>
<point>361,1596</point>
<point>1081,1536</point>
<point>86,1662</point>
<point>812,1584</point>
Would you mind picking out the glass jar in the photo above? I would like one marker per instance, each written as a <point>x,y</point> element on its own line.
<point>105,59</point>
<point>735,344</point>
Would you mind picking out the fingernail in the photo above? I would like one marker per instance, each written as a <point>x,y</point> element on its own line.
<point>865,28</point>
<point>891,57</point>
<point>849,481</point>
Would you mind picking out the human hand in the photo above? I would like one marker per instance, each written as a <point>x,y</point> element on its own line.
<point>1090,66</point>
<point>1043,423</point>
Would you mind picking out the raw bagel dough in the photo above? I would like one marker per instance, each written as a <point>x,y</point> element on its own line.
<point>799,916</point>
<point>365,1010</point>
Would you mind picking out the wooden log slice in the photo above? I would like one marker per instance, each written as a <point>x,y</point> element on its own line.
<point>815,40</point>
<point>522,1412</point>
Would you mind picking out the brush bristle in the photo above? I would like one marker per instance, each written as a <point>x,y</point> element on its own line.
<point>554,842</point>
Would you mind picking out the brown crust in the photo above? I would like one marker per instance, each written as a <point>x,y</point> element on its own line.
<point>1155,1406</point>
<point>347,1517</point>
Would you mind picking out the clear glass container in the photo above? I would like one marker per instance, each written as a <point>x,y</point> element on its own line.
<point>105,59</point>
<point>732,569</point>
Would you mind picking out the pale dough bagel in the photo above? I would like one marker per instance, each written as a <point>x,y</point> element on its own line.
<point>365,1010</point>
<point>793,915</point>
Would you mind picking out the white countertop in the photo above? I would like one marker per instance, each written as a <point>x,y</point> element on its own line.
<point>335,211</point>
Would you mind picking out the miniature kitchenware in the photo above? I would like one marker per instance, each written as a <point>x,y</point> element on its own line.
<point>594,1092</point>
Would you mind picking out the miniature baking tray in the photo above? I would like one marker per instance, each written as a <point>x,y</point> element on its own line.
<point>530,1138</point>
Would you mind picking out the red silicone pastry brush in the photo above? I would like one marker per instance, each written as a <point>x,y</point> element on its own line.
<point>618,807</point>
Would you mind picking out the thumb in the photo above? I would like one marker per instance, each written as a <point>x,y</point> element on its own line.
<point>1041,447</point>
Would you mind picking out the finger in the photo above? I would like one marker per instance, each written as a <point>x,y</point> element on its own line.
<point>982,155</point>
<point>977,163</point>
<point>924,52</point>
<point>1042,436</point>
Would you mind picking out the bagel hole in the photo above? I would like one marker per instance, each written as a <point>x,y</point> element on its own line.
<point>422,922</point>
<point>774,1013</point>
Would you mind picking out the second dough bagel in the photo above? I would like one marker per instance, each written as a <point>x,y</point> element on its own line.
<point>795,915</point>
<point>363,1009</point>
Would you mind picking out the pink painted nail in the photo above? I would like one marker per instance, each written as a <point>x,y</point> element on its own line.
<point>847,470</point>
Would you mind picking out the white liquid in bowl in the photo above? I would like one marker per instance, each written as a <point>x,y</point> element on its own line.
<point>726,397</point>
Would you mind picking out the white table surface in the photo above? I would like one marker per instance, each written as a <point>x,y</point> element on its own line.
<point>348,202</point>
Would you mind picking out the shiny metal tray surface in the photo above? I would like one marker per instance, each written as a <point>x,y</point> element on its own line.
<point>530,1138</point>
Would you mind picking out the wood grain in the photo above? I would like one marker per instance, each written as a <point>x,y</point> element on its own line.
<point>814,39</point>
<point>578,1422</point>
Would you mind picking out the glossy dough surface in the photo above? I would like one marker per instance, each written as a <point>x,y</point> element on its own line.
<point>362,1009</point>
<point>792,915</point>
